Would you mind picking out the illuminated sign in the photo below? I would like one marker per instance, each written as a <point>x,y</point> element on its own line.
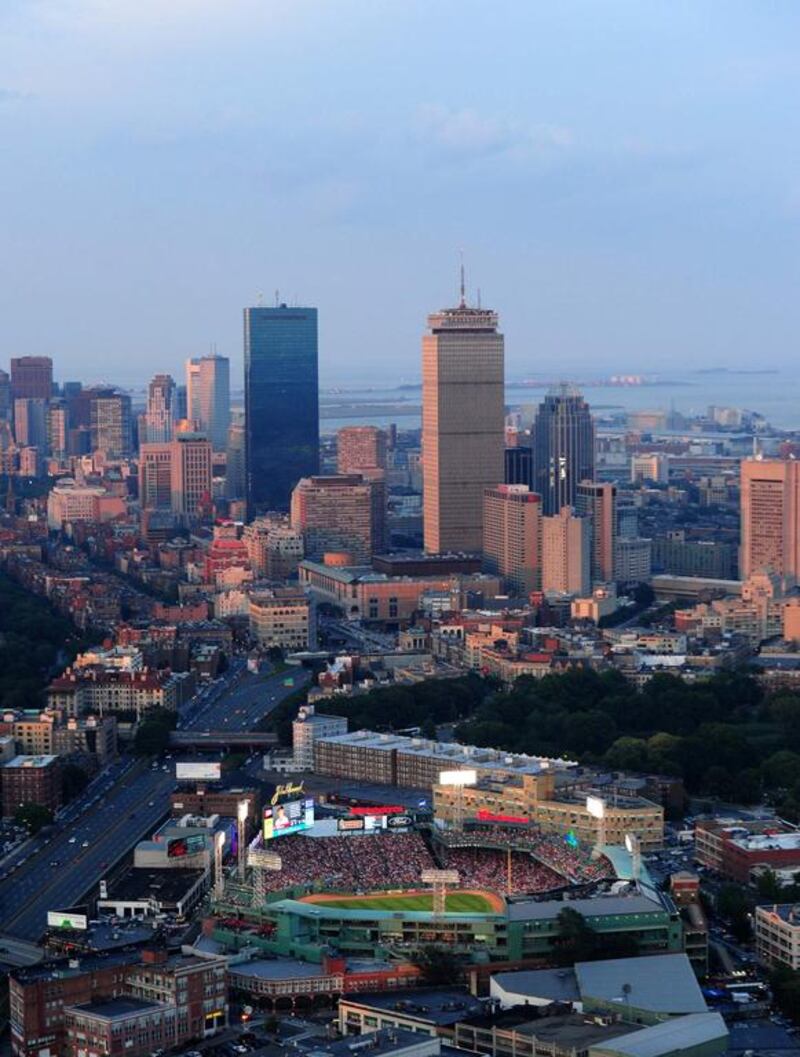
<point>398,821</point>
<point>286,789</point>
<point>379,809</point>
<point>294,816</point>
<point>178,847</point>
<point>198,772</point>
<point>489,816</point>
<point>63,919</point>
<point>571,840</point>
<point>352,824</point>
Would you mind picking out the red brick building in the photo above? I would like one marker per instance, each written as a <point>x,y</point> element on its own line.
<point>31,780</point>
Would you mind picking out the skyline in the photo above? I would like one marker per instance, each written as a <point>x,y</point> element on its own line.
<point>622,180</point>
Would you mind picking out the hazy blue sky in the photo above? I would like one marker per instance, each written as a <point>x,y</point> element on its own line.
<point>623,177</point>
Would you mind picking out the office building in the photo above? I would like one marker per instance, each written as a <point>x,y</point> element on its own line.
<point>160,416</point>
<point>307,728</point>
<point>462,424</point>
<point>512,537</point>
<point>566,553</point>
<point>57,426</point>
<point>5,396</point>
<point>69,502</point>
<point>111,425</point>
<point>650,467</point>
<point>191,474</point>
<point>32,377</point>
<point>208,398</point>
<point>632,560</point>
<point>598,502</point>
<point>360,448</point>
<point>235,466</point>
<point>563,448</point>
<point>155,476</point>
<point>282,617</point>
<point>336,513</point>
<point>770,518</point>
<point>281,391</point>
<point>519,465</point>
<point>30,422</point>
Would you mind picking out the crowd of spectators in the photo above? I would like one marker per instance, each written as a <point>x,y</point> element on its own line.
<point>352,863</point>
<point>489,868</point>
<point>572,862</point>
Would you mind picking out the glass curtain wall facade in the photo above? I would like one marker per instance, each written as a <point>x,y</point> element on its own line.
<point>281,388</point>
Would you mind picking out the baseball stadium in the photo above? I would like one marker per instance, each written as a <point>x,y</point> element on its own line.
<point>380,887</point>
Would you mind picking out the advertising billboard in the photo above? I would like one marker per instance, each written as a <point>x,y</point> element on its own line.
<point>347,824</point>
<point>280,820</point>
<point>398,821</point>
<point>482,815</point>
<point>198,772</point>
<point>595,806</point>
<point>379,809</point>
<point>467,776</point>
<point>63,919</point>
<point>180,847</point>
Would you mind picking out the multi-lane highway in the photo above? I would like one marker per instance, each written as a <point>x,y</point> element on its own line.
<point>56,871</point>
<point>240,702</point>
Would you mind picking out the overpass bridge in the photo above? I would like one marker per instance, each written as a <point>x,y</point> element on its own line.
<point>221,739</point>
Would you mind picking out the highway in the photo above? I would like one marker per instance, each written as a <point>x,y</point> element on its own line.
<point>56,871</point>
<point>237,705</point>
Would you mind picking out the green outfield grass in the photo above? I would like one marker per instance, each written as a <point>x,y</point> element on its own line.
<point>457,902</point>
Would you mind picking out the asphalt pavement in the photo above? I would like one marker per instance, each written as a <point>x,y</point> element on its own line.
<point>55,871</point>
<point>236,704</point>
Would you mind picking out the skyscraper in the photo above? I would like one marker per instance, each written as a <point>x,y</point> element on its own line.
<point>281,394</point>
<point>155,476</point>
<point>235,478</point>
<point>336,512</point>
<point>770,518</point>
<point>5,396</point>
<point>598,502</point>
<point>519,465</point>
<point>566,553</point>
<point>191,474</point>
<point>32,377</point>
<point>208,397</point>
<point>30,422</point>
<point>563,447</point>
<point>462,424</point>
<point>111,425</point>
<point>512,537</point>
<point>160,416</point>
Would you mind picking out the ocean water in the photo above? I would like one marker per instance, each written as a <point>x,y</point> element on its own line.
<point>776,395</point>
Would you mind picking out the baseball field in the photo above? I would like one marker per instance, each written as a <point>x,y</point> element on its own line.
<point>462,902</point>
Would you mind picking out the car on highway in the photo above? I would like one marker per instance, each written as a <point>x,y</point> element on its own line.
<point>85,844</point>
<point>73,840</point>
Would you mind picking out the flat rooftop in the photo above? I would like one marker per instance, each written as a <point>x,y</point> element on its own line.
<point>569,1031</point>
<point>26,762</point>
<point>437,1007</point>
<point>768,842</point>
<point>277,969</point>
<point>602,906</point>
<point>117,1008</point>
<point>166,886</point>
<point>62,968</point>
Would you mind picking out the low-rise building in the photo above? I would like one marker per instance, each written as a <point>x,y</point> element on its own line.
<point>282,617</point>
<point>777,930</point>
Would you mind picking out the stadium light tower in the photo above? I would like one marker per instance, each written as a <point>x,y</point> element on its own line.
<point>242,811</point>
<point>634,846</point>
<point>596,807</point>
<point>219,877</point>
<point>458,780</point>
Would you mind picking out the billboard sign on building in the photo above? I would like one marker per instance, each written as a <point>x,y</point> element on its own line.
<point>294,816</point>
<point>180,847</point>
<point>63,919</point>
<point>198,772</point>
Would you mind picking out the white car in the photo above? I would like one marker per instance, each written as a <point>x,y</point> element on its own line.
<point>72,840</point>
<point>85,844</point>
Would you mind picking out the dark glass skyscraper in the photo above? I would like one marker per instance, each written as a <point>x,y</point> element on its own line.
<point>563,448</point>
<point>519,466</point>
<point>281,397</point>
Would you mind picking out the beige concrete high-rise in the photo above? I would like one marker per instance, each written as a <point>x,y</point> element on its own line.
<point>770,518</point>
<point>462,424</point>
<point>598,501</point>
<point>512,537</point>
<point>336,512</point>
<point>566,553</point>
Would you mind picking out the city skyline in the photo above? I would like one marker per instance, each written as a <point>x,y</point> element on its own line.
<point>621,223</point>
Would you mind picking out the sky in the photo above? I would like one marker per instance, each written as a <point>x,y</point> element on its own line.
<point>621,176</point>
